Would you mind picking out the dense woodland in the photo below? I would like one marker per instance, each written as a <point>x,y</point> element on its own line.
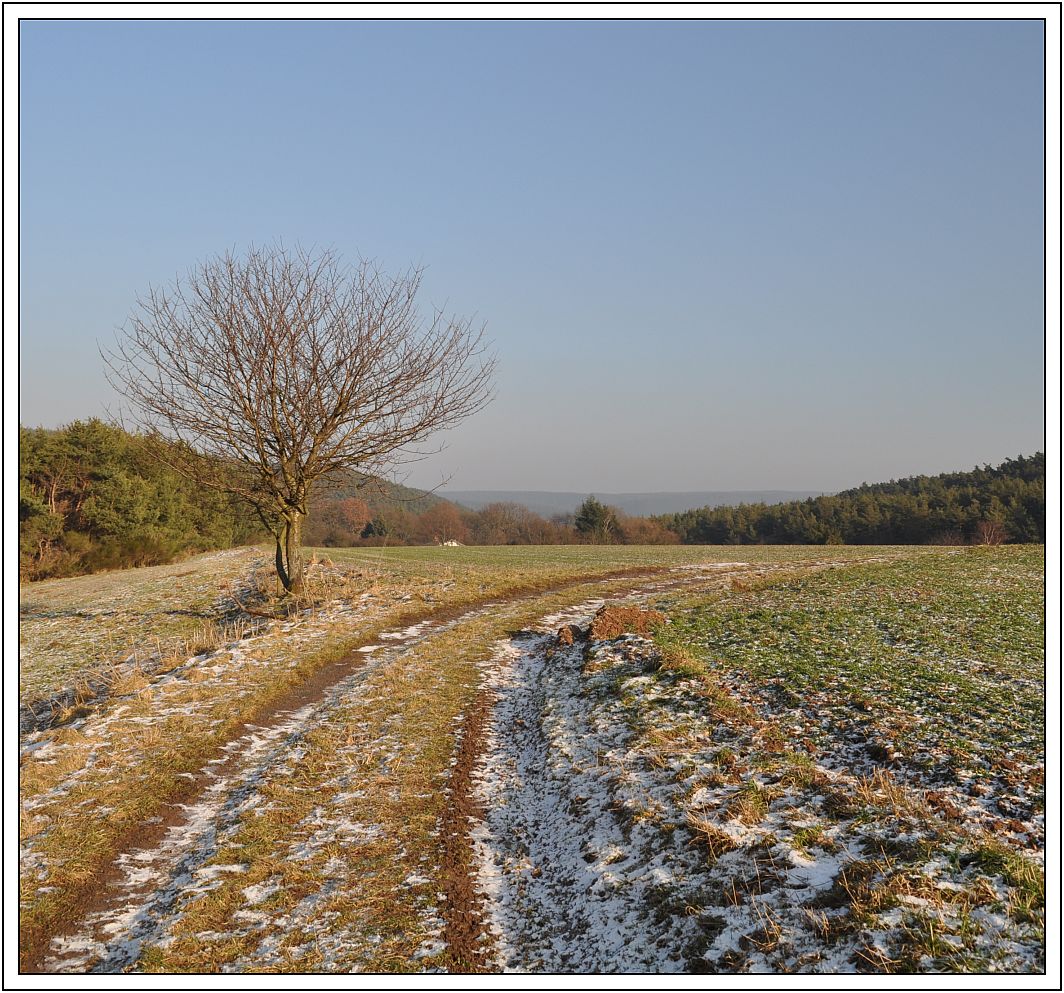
<point>92,496</point>
<point>987,505</point>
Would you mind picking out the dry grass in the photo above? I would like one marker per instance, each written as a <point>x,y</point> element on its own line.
<point>717,841</point>
<point>750,804</point>
<point>682,664</point>
<point>422,692</point>
<point>881,791</point>
<point>726,708</point>
<point>670,742</point>
<point>142,769</point>
<point>613,621</point>
<point>768,934</point>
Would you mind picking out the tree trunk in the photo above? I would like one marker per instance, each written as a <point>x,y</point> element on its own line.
<point>289,557</point>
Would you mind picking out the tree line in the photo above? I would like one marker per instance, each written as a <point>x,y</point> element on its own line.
<point>986,505</point>
<point>349,520</point>
<point>92,496</point>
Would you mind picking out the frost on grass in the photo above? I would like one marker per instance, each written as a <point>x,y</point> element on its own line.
<point>72,630</point>
<point>572,882</point>
<point>292,916</point>
<point>649,810</point>
<point>152,880</point>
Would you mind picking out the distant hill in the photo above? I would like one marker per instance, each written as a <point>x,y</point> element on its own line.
<point>549,503</point>
<point>379,494</point>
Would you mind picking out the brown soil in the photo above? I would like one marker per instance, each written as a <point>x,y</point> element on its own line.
<point>570,633</point>
<point>463,914</point>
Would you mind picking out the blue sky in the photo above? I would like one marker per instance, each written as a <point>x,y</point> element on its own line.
<point>712,255</point>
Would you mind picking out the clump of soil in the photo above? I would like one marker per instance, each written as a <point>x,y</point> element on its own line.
<point>612,622</point>
<point>570,633</point>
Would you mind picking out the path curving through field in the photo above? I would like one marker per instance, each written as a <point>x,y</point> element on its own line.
<point>569,844</point>
<point>166,859</point>
<point>136,898</point>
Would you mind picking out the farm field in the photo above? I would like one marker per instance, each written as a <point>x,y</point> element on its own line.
<point>81,632</point>
<point>773,758</point>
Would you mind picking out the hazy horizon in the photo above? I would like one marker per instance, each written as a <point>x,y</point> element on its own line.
<point>713,255</point>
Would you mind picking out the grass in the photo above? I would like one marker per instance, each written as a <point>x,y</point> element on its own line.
<point>419,697</point>
<point>75,631</point>
<point>87,793</point>
<point>941,651</point>
<point>558,558</point>
<point>898,708</point>
<point>922,667</point>
<point>81,634</point>
<point>78,635</point>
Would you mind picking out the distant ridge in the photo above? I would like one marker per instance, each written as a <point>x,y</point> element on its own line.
<point>379,494</point>
<point>638,504</point>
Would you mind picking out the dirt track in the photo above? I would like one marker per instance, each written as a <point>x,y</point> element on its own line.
<point>134,900</point>
<point>106,924</point>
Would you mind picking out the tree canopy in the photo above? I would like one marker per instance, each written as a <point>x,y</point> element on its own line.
<point>278,369</point>
<point>92,496</point>
<point>596,522</point>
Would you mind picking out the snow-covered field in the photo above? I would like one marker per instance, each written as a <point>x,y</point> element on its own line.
<point>572,882</point>
<point>629,827</point>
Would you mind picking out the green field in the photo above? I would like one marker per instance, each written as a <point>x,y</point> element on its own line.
<point>898,718</point>
<point>957,641</point>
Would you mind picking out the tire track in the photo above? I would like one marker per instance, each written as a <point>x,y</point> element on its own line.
<point>112,914</point>
<point>160,858</point>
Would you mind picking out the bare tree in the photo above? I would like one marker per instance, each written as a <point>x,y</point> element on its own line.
<point>281,368</point>
<point>990,532</point>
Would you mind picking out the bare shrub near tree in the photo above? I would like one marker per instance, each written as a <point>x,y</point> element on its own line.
<point>951,537</point>
<point>990,533</point>
<point>645,531</point>
<point>336,522</point>
<point>279,368</point>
